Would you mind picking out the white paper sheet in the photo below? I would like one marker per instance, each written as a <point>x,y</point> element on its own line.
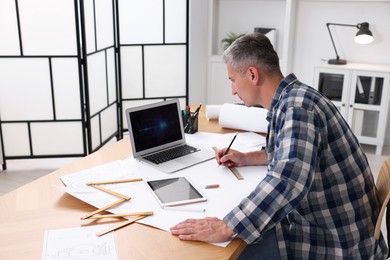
<point>246,141</point>
<point>79,243</point>
<point>219,201</point>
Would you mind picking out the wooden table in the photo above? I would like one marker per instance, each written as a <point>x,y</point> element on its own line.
<point>28,211</point>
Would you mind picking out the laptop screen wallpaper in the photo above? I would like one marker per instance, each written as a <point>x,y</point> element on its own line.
<point>155,126</point>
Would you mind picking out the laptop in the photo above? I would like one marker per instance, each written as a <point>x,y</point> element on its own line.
<point>157,137</point>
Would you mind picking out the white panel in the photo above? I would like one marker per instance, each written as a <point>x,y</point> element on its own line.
<point>25,92</point>
<point>131,65</point>
<point>164,78</point>
<point>141,21</point>
<point>97,82</point>
<point>135,103</point>
<point>48,27</point>
<point>175,21</point>
<point>104,23</point>
<point>66,88</point>
<point>95,132</point>
<point>182,103</point>
<point>111,75</point>
<point>57,138</point>
<point>15,139</point>
<point>89,26</point>
<point>9,44</point>
<point>109,122</point>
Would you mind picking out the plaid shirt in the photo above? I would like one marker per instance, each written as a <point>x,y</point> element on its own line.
<point>319,192</point>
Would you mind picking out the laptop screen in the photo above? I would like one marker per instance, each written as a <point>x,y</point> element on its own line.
<point>155,126</point>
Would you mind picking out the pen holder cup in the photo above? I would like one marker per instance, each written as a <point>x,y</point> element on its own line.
<point>190,124</point>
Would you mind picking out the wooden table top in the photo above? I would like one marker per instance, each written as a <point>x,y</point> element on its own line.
<point>28,211</point>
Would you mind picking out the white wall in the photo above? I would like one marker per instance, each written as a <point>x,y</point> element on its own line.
<point>311,42</point>
<point>198,58</point>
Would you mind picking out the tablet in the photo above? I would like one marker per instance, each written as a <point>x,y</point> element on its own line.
<point>174,191</point>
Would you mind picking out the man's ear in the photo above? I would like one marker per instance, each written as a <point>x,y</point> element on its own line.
<point>254,74</point>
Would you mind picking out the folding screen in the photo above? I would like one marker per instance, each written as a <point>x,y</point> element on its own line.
<point>41,97</point>
<point>68,69</point>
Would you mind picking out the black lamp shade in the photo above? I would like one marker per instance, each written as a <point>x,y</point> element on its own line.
<point>364,35</point>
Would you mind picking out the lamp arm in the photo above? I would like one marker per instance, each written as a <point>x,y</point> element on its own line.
<point>334,46</point>
<point>331,37</point>
<point>343,24</point>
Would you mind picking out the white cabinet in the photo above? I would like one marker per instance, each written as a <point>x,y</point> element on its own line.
<point>361,93</point>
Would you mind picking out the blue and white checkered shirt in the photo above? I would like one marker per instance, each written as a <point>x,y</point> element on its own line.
<point>319,192</point>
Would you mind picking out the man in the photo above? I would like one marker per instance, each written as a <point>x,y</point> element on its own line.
<point>318,199</point>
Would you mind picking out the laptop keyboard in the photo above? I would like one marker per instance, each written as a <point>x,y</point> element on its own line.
<point>171,154</point>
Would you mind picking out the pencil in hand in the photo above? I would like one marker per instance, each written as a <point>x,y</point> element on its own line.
<point>230,145</point>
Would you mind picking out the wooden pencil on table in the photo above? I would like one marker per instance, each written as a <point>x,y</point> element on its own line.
<point>146,213</point>
<point>104,208</point>
<point>114,181</point>
<point>116,194</point>
<point>101,233</point>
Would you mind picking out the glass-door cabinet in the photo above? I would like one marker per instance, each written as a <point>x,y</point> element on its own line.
<point>334,84</point>
<point>361,93</point>
<point>368,106</point>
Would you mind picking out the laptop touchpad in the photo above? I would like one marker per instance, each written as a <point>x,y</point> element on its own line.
<point>187,159</point>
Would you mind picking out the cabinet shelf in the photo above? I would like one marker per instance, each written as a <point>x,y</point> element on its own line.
<point>367,107</point>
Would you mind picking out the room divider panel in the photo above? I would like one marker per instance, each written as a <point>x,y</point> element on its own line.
<point>153,51</point>
<point>100,66</point>
<point>69,68</point>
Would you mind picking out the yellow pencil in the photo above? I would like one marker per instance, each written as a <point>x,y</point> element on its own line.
<point>147,213</point>
<point>114,181</point>
<point>116,194</point>
<point>103,208</point>
<point>101,233</point>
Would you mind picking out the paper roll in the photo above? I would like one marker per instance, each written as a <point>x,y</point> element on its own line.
<point>212,111</point>
<point>243,118</point>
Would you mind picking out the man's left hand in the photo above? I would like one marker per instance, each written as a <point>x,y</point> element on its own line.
<point>212,230</point>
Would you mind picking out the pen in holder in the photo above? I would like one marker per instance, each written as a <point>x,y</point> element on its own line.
<point>190,123</point>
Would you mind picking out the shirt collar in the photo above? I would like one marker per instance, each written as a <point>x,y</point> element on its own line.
<point>282,85</point>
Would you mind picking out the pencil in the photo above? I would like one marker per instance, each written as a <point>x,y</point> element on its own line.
<point>101,233</point>
<point>103,208</point>
<point>230,145</point>
<point>146,213</point>
<point>114,181</point>
<point>116,194</point>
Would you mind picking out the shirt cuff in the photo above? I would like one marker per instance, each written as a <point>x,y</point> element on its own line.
<point>241,225</point>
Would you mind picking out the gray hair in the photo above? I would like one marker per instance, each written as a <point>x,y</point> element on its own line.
<point>252,50</point>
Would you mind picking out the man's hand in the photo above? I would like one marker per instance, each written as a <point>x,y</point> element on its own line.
<point>212,230</point>
<point>232,159</point>
<point>235,158</point>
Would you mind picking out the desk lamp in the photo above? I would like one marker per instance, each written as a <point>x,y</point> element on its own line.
<point>363,36</point>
